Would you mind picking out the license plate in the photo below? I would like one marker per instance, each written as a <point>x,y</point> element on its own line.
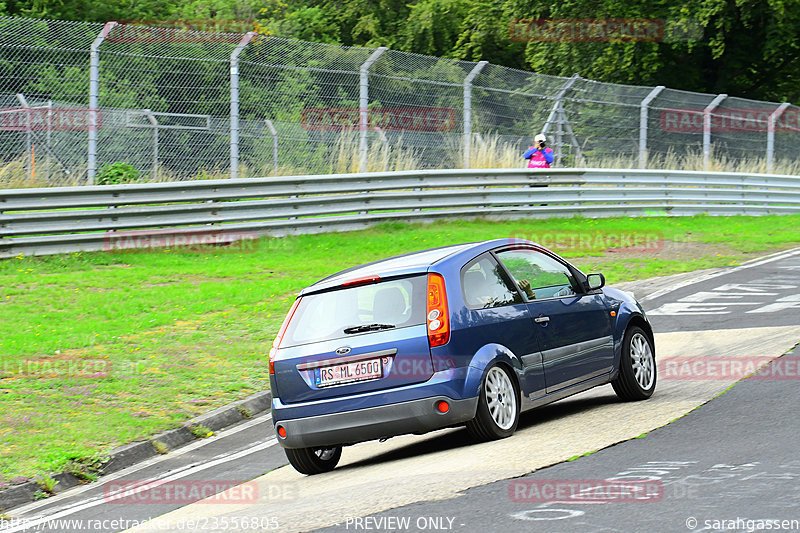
<point>348,372</point>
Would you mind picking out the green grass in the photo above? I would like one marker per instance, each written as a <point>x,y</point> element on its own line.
<point>576,457</point>
<point>100,349</point>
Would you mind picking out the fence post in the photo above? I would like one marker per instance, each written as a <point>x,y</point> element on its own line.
<point>363,104</point>
<point>385,141</point>
<point>771,133</point>
<point>153,122</point>
<point>94,91</point>
<point>557,111</point>
<point>48,139</point>
<point>468,111</point>
<point>234,119</point>
<point>24,103</point>
<point>707,129</point>
<point>643,108</point>
<point>274,134</point>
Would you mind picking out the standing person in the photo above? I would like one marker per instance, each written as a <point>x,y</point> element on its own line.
<point>538,155</point>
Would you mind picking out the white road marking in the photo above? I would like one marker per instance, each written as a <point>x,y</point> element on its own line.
<point>716,294</point>
<point>184,470</point>
<point>689,308</point>
<point>547,514</point>
<point>94,502</point>
<point>754,294</point>
<point>749,264</point>
<point>781,304</point>
<point>754,287</point>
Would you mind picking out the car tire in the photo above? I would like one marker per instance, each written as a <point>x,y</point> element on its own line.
<point>498,407</point>
<point>636,379</point>
<point>312,461</point>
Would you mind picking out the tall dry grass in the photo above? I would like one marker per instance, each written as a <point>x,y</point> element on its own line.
<point>493,153</point>
<point>695,161</point>
<point>487,151</point>
<point>381,157</point>
<point>14,175</point>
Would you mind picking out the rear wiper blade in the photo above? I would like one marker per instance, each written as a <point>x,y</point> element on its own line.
<point>367,327</point>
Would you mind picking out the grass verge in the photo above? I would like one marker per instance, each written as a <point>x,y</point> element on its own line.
<point>101,349</point>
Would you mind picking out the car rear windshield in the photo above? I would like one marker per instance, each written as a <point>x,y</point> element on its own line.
<point>356,310</point>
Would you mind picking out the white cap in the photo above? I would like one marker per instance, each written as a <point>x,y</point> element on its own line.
<point>540,137</point>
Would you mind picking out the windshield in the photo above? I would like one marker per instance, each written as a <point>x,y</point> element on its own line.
<point>345,312</point>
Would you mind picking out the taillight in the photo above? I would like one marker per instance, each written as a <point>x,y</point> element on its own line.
<point>438,318</point>
<point>277,342</point>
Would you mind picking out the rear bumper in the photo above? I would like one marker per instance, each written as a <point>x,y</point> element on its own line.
<point>350,427</point>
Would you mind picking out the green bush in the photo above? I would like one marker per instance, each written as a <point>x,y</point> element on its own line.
<point>116,173</point>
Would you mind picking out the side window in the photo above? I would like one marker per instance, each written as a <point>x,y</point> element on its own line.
<point>483,285</point>
<point>538,275</point>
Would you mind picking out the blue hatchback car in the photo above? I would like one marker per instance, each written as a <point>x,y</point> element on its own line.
<point>470,334</point>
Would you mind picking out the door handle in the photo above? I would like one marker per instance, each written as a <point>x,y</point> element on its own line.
<point>541,319</point>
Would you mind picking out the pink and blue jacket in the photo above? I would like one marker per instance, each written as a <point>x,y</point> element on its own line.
<point>539,158</point>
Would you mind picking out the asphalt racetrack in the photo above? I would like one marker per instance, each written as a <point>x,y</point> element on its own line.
<point>731,458</point>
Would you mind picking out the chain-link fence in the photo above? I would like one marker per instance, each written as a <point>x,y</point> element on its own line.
<point>176,104</point>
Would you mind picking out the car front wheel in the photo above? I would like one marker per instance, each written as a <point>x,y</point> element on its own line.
<point>498,407</point>
<point>636,379</point>
<point>312,461</point>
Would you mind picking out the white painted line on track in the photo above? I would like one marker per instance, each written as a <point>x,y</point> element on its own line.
<point>94,502</point>
<point>176,473</point>
<point>749,264</point>
<point>144,464</point>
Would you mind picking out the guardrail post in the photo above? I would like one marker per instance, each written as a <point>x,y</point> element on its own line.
<point>558,111</point>
<point>771,133</point>
<point>94,91</point>
<point>274,134</point>
<point>468,111</point>
<point>643,108</point>
<point>707,129</point>
<point>235,101</point>
<point>363,105</point>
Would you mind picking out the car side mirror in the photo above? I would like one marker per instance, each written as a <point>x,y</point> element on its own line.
<point>595,281</point>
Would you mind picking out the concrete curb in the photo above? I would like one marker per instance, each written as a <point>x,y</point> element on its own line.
<point>136,452</point>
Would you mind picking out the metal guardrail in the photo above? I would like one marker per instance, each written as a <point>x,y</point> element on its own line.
<point>70,219</point>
